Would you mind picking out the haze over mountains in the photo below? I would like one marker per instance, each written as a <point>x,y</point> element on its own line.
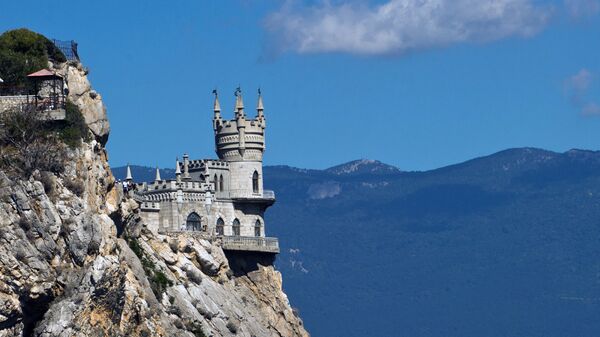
<point>503,245</point>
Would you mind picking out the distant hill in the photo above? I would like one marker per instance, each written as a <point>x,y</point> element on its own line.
<point>502,245</point>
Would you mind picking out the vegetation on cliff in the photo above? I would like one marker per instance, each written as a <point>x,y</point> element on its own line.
<point>23,52</point>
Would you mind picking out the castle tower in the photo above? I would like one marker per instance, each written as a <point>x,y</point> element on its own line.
<point>241,142</point>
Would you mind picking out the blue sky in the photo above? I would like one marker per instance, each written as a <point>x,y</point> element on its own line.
<point>417,84</point>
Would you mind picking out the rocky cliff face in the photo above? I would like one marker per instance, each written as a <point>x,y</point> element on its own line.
<point>75,259</point>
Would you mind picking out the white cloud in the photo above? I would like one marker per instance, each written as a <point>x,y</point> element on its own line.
<point>577,87</point>
<point>578,9</point>
<point>400,26</point>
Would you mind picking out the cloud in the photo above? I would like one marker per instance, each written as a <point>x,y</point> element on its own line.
<point>577,87</point>
<point>401,26</point>
<point>579,9</point>
<point>325,190</point>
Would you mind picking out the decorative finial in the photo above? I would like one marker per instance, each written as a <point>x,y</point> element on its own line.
<point>215,92</point>
<point>238,91</point>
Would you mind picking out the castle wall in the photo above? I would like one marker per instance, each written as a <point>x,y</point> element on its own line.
<point>241,176</point>
<point>173,216</point>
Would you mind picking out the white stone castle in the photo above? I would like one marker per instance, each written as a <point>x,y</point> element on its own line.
<point>221,198</point>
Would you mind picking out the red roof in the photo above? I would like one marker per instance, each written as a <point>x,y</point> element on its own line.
<point>43,73</point>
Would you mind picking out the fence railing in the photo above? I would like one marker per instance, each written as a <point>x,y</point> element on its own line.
<point>245,194</point>
<point>68,48</point>
<point>251,243</point>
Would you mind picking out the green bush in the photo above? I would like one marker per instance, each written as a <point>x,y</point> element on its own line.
<point>74,128</point>
<point>23,52</point>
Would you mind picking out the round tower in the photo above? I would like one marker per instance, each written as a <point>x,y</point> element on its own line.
<point>241,142</point>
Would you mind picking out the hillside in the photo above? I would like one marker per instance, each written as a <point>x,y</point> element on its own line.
<point>503,245</point>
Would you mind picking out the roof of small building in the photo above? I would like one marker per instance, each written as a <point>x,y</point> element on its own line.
<point>43,73</point>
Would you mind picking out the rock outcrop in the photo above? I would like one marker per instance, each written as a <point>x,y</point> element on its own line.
<point>76,260</point>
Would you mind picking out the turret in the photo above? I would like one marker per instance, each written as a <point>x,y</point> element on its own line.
<point>177,171</point>
<point>241,142</point>
<point>186,166</point>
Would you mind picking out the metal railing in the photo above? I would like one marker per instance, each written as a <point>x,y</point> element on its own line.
<point>250,243</point>
<point>246,194</point>
<point>68,48</point>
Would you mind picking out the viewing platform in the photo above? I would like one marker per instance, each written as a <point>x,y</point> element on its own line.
<point>237,243</point>
<point>251,243</point>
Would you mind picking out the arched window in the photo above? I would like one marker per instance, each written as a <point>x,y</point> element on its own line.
<point>221,184</point>
<point>236,227</point>
<point>193,222</point>
<point>216,183</point>
<point>220,227</point>
<point>257,228</point>
<point>255,182</point>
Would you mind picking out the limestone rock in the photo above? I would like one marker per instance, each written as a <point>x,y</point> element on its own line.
<point>83,264</point>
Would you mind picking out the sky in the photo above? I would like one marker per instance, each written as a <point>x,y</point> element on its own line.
<point>418,84</point>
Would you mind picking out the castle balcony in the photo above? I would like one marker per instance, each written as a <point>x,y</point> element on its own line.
<point>250,243</point>
<point>267,196</point>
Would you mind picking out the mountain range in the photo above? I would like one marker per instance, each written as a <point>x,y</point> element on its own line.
<point>502,245</point>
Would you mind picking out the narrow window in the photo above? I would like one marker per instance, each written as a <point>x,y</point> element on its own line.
<point>257,228</point>
<point>236,227</point>
<point>220,227</point>
<point>221,184</point>
<point>255,182</point>
<point>215,182</point>
<point>193,222</point>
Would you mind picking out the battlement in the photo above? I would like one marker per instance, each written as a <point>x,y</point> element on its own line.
<point>240,138</point>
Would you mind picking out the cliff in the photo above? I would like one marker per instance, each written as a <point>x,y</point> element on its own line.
<point>76,260</point>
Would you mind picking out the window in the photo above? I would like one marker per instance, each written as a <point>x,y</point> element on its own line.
<point>255,182</point>
<point>236,227</point>
<point>221,184</point>
<point>257,228</point>
<point>220,227</point>
<point>193,222</point>
<point>215,182</point>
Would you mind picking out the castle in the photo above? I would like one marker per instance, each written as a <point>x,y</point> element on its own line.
<point>219,198</point>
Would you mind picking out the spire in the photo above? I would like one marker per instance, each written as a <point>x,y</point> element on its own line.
<point>177,168</point>
<point>259,106</point>
<point>239,102</point>
<point>129,177</point>
<point>216,106</point>
<point>157,175</point>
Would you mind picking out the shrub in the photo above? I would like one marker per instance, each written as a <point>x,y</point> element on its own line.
<point>47,180</point>
<point>26,144</point>
<point>74,186</point>
<point>73,129</point>
<point>23,52</point>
